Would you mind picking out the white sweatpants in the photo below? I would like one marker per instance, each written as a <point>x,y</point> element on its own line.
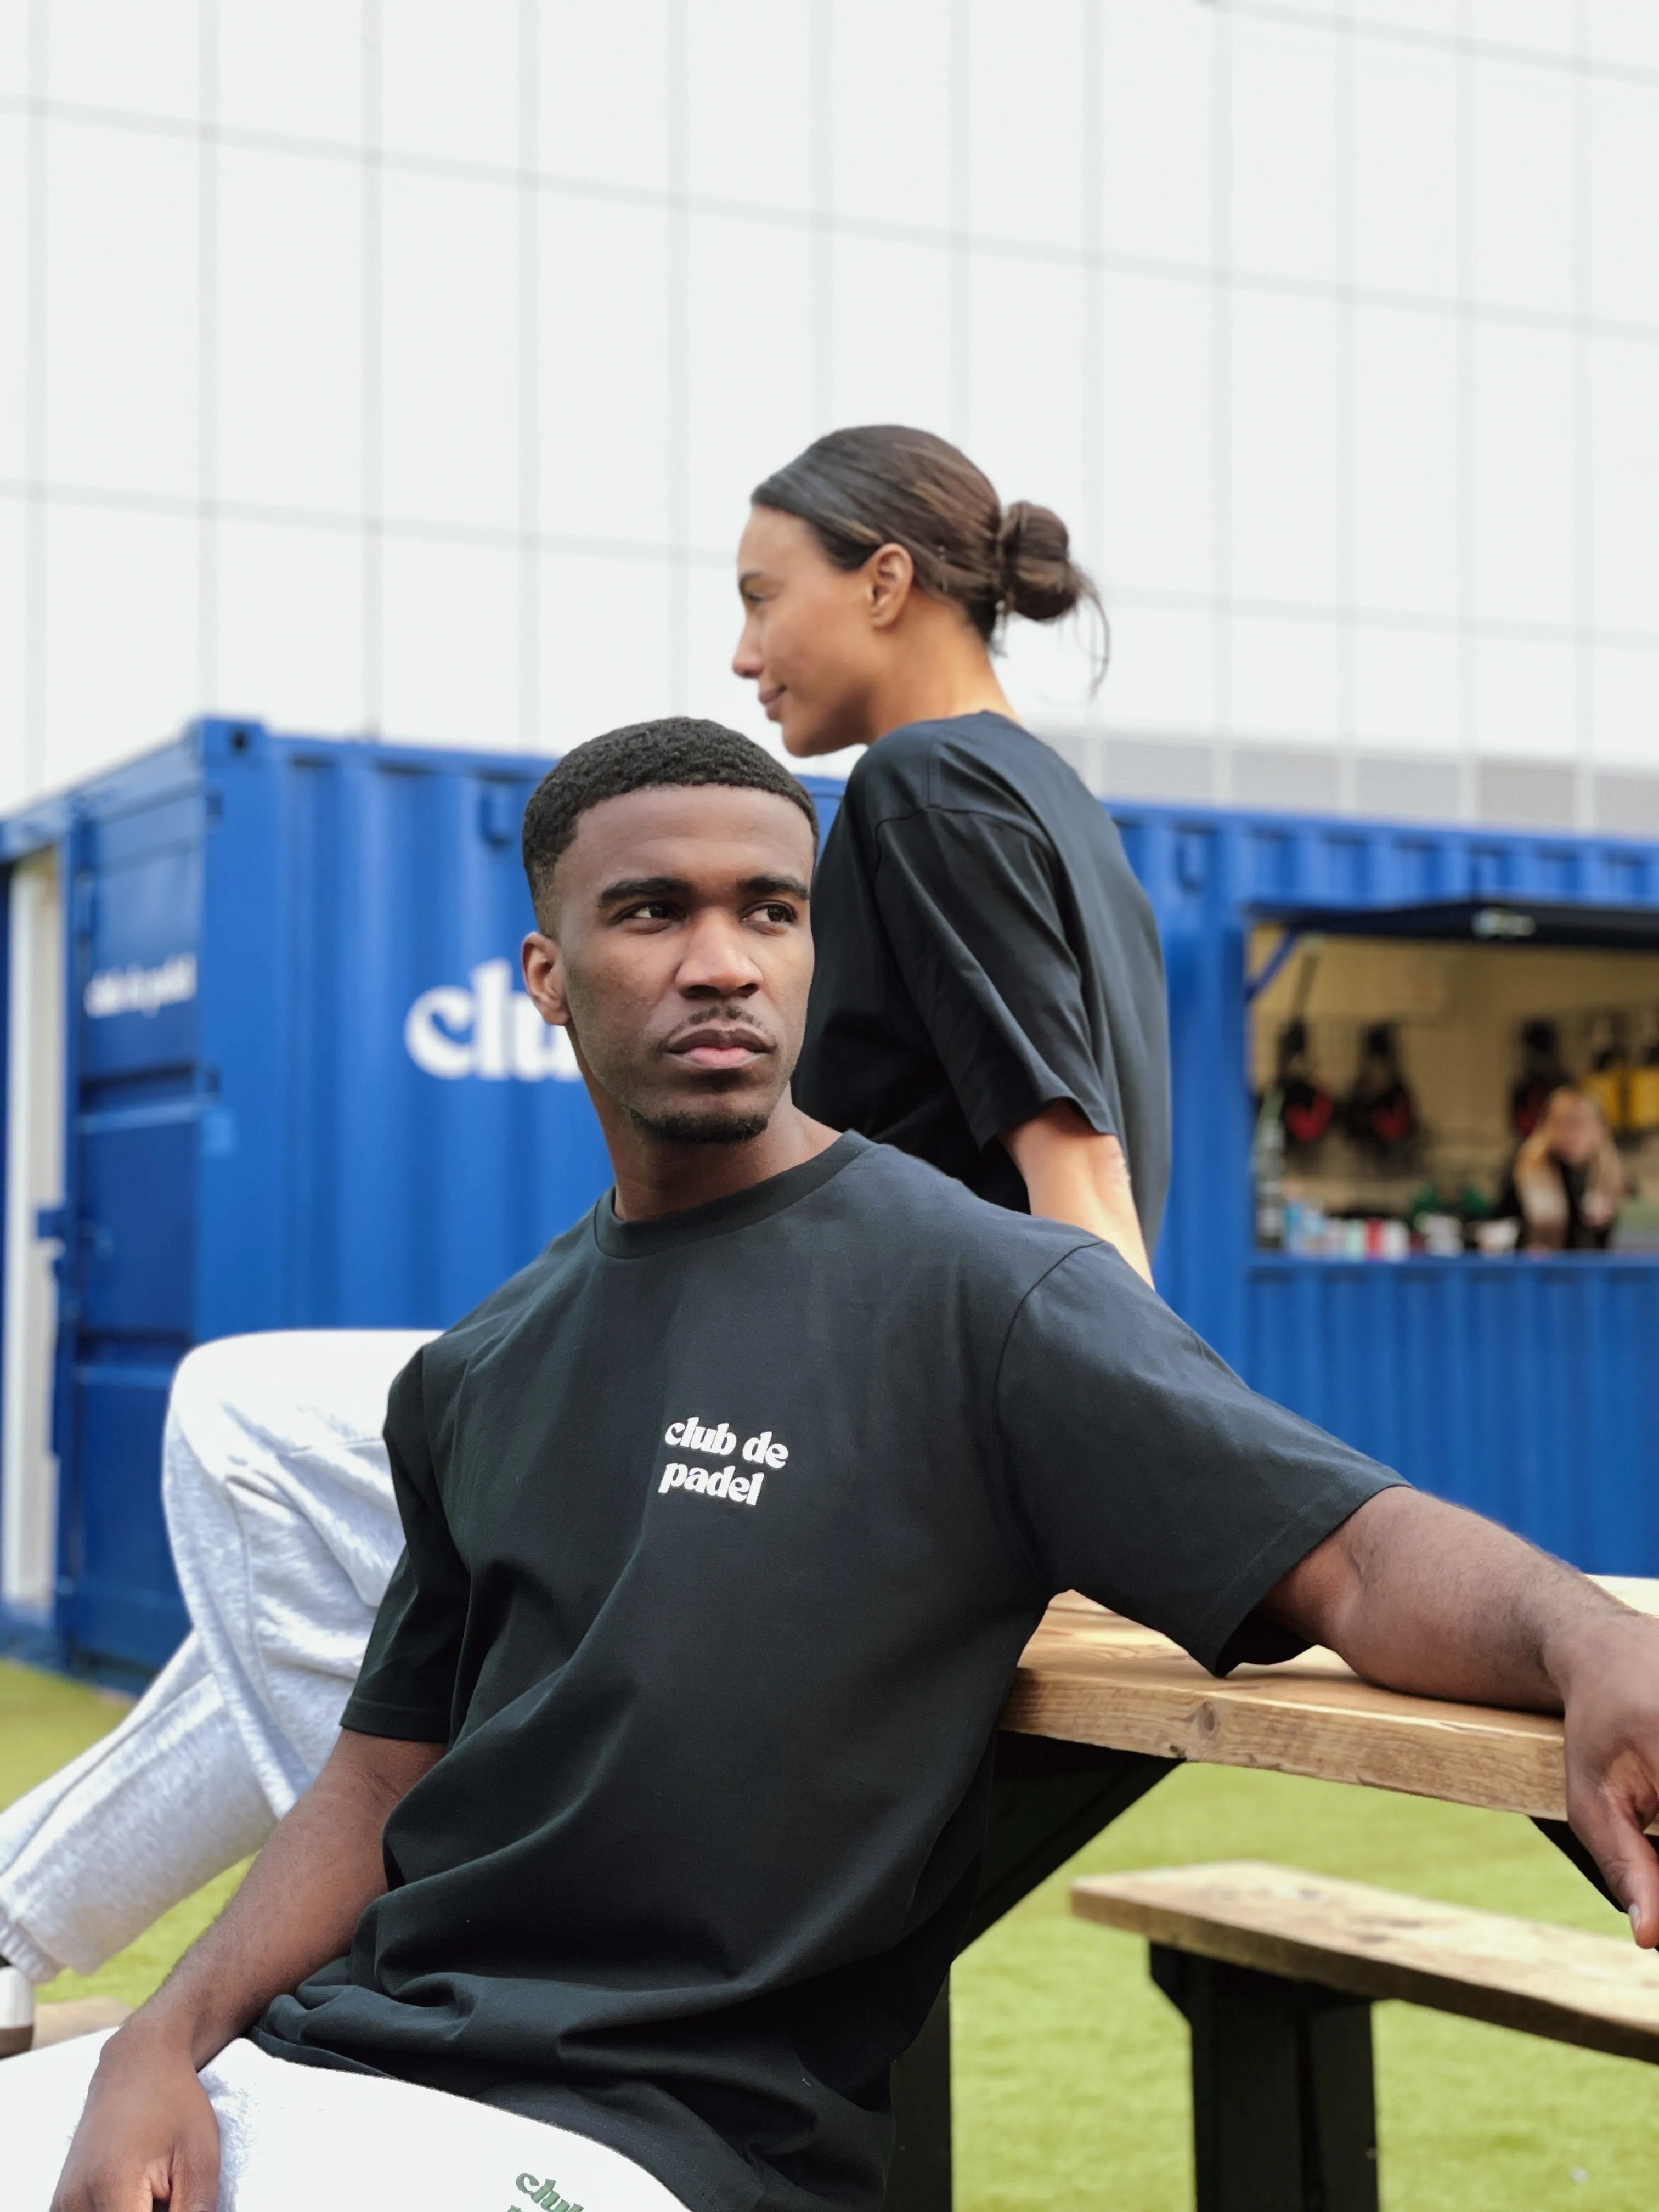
<point>296,2136</point>
<point>284,1534</point>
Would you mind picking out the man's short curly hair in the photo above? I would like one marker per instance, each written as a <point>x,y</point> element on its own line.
<point>643,756</point>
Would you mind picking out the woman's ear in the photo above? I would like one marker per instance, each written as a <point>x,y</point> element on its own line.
<point>888,575</point>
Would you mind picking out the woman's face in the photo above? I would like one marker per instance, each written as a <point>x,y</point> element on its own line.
<point>1574,1131</point>
<point>807,642</point>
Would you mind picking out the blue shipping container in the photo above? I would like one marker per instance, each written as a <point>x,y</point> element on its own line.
<point>300,1087</point>
<point>1519,1386</point>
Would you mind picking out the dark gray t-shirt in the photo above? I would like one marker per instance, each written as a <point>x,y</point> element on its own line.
<point>984,951</point>
<point>725,1534</point>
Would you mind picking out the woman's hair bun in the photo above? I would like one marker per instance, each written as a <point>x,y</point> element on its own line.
<point>1039,579</point>
<point>883,483</point>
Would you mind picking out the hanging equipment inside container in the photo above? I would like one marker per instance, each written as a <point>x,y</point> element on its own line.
<point>1308,1107</point>
<point>1380,1113</point>
<point>1542,1071</point>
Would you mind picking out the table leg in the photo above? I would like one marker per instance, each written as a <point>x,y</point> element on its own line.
<point>919,2179</point>
<point>1047,1799</point>
<point>1283,2108</point>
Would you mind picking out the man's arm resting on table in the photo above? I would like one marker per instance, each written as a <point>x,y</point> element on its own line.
<point>149,2131</point>
<point>1420,1596</point>
<point>1072,1174</point>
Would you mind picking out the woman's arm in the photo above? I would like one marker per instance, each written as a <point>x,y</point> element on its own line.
<point>149,2131</point>
<point>1072,1174</point>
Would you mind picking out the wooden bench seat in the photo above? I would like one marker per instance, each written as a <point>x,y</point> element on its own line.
<point>1276,1972</point>
<point>1597,1991</point>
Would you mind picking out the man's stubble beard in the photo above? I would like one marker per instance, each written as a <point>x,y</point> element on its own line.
<point>678,1125</point>
<point>712,1121</point>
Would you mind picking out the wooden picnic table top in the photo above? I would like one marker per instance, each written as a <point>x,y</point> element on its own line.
<point>1090,1676</point>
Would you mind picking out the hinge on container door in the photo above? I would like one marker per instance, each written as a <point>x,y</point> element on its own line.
<point>501,811</point>
<point>1192,858</point>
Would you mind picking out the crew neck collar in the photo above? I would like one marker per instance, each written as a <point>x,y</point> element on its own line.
<point>950,721</point>
<point>665,1232</point>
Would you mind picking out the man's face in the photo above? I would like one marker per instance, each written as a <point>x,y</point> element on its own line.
<point>678,954</point>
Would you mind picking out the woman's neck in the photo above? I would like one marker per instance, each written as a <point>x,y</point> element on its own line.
<point>936,676</point>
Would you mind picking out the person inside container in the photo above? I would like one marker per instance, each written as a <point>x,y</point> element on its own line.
<point>990,996</point>
<point>1566,1182</point>
<point>655,1814</point>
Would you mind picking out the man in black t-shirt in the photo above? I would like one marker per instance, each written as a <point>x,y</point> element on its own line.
<point>655,1815</point>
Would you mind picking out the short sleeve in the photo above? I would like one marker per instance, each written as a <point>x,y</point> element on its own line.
<point>1149,1477</point>
<point>407,1686</point>
<point>968,899</point>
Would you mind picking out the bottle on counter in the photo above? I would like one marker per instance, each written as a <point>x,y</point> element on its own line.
<point>1268,1170</point>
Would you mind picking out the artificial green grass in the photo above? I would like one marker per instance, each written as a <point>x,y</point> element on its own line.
<point>1071,2069</point>
<point>1072,2087</point>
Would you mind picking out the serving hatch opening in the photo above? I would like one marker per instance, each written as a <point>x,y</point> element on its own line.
<point>1400,1056</point>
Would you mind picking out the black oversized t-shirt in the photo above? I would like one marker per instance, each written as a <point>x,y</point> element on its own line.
<point>725,1532</point>
<point>984,951</point>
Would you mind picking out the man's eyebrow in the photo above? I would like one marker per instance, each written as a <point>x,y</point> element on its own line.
<point>640,887</point>
<point>650,887</point>
<point>773,886</point>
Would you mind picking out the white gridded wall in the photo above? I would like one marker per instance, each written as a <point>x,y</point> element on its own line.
<point>403,365</point>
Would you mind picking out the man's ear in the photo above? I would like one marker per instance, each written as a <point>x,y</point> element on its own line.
<point>544,978</point>
<point>888,575</point>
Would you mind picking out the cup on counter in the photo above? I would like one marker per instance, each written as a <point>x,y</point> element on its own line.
<point>1442,1234</point>
<point>1495,1238</point>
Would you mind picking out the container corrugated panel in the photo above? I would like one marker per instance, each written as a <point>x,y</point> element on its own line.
<point>303,1089</point>
<point>1522,1387</point>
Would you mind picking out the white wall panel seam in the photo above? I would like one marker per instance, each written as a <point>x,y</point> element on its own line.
<point>1221,457</point>
<point>208,350</point>
<point>371,350</point>
<point>1464,44</point>
<point>1468,578</point>
<point>529,477</point>
<point>679,327</point>
<point>960,127</point>
<point>822,94</point>
<point>1348,497</point>
<point>1583,570</point>
<point>35,703</point>
<point>1509,314</point>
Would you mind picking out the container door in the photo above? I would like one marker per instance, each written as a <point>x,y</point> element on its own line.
<point>34,1169</point>
<point>128,1266</point>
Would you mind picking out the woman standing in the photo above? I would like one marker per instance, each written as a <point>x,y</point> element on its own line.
<point>989,993</point>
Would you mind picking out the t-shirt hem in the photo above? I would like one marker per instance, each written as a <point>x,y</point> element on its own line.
<point>1221,1642</point>
<point>402,1723</point>
<point>311,2054</point>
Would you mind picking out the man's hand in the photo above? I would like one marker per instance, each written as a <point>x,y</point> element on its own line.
<point>148,2133</point>
<point>1420,1596</point>
<point>147,2130</point>
<point>1611,1695</point>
